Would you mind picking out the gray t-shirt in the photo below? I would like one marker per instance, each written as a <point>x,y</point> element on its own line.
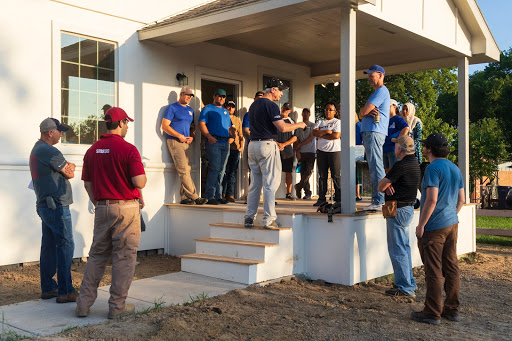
<point>46,162</point>
<point>283,137</point>
<point>303,134</point>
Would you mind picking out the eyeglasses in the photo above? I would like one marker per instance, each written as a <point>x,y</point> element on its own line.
<point>125,120</point>
<point>329,109</point>
<point>221,96</point>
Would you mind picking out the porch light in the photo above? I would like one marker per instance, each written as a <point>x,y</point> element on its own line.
<point>182,79</point>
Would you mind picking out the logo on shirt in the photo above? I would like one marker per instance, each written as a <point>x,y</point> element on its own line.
<point>225,112</point>
<point>102,151</point>
<point>191,113</point>
<point>392,126</point>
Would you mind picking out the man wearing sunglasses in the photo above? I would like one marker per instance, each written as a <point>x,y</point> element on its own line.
<point>214,123</point>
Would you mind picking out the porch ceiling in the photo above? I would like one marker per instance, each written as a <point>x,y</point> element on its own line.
<point>306,33</point>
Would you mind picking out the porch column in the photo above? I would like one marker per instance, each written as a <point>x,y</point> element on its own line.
<point>463,122</point>
<point>348,108</point>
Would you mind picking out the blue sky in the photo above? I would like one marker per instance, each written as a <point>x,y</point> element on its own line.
<point>497,15</point>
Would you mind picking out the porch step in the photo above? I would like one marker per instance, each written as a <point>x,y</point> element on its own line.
<point>239,232</point>
<point>228,268</point>
<point>233,248</point>
<point>241,226</point>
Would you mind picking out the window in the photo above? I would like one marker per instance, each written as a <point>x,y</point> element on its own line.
<point>286,93</point>
<point>87,86</point>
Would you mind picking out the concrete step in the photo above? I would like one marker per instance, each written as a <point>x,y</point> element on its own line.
<point>233,248</point>
<point>231,269</point>
<point>239,232</point>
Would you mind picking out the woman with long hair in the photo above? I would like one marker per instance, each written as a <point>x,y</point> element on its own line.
<point>408,113</point>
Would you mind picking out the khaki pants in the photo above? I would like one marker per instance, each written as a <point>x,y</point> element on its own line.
<point>116,234</point>
<point>179,153</point>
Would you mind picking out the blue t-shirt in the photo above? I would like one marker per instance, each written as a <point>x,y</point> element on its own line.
<point>245,121</point>
<point>262,115</point>
<point>359,137</point>
<point>380,98</point>
<point>46,163</point>
<point>217,121</point>
<point>396,124</point>
<point>444,175</point>
<point>181,117</point>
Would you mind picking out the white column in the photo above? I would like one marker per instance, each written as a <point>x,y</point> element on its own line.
<point>348,109</point>
<point>463,122</point>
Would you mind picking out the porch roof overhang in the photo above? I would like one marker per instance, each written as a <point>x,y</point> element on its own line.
<point>307,32</point>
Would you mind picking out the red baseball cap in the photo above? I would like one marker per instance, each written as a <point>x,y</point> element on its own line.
<point>115,114</point>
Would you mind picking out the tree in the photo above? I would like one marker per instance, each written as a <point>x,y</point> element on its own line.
<point>487,149</point>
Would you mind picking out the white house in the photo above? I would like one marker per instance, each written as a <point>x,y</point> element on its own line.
<point>68,58</point>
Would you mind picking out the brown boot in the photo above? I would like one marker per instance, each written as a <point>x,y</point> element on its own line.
<point>129,309</point>
<point>230,198</point>
<point>81,312</point>
<point>67,298</point>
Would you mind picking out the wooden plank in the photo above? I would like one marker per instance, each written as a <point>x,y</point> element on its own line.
<point>235,242</point>
<point>494,232</point>
<point>241,226</point>
<point>222,259</point>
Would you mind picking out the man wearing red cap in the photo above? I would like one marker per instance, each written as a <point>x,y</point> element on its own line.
<point>113,175</point>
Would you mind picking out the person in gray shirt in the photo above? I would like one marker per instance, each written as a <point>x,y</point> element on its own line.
<point>305,151</point>
<point>50,176</point>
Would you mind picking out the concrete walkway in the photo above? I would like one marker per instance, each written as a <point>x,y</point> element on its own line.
<point>40,318</point>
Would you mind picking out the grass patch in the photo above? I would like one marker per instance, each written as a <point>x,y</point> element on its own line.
<point>157,305</point>
<point>494,222</point>
<point>496,240</point>
<point>198,298</point>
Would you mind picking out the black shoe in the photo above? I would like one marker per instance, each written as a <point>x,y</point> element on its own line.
<point>49,294</point>
<point>223,201</point>
<point>359,199</point>
<point>307,197</point>
<point>319,202</point>
<point>454,318</point>
<point>212,202</point>
<point>248,222</point>
<point>298,192</point>
<point>419,317</point>
<point>201,201</point>
<point>289,196</point>
<point>397,292</point>
<point>188,201</point>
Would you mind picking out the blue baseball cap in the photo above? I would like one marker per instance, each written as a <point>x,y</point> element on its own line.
<point>219,92</point>
<point>375,68</point>
<point>52,124</point>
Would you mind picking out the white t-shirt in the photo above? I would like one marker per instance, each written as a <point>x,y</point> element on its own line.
<point>329,145</point>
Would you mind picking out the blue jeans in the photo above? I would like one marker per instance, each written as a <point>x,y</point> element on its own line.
<point>373,142</point>
<point>217,159</point>
<point>57,248</point>
<point>229,181</point>
<point>399,249</point>
<point>389,159</point>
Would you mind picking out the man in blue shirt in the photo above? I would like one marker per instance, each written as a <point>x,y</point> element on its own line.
<point>264,159</point>
<point>176,124</point>
<point>374,127</point>
<point>397,127</point>
<point>50,176</point>
<point>215,123</point>
<point>441,200</point>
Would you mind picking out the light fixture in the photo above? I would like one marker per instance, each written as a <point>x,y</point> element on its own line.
<point>323,85</point>
<point>182,79</point>
<point>330,80</point>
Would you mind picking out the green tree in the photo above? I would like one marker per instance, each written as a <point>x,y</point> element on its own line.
<point>487,149</point>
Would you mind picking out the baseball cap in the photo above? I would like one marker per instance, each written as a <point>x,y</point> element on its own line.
<point>436,140</point>
<point>52,124</point>
<point>276,83</point>
<point>219,92</point>
<point>393,102</point>
<point>187,91</point>
<point>375,68</point>
<point>231,103</point>
<point>406,142</point>
<point>258,94</point>
<point>286,106</point>
<point>115,114</point>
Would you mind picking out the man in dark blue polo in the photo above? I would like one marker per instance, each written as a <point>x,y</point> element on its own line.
<point>214,123</point>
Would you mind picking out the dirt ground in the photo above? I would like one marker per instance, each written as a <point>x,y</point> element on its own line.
<point>305,310</point>
<point>23,284</point>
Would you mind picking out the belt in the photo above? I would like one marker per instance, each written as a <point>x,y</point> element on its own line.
<point>221,138</point>
<point>115,201</point>
<point>400,204</point>
<point>262,139</point>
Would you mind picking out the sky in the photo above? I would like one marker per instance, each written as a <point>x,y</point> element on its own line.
<point>497,15</point>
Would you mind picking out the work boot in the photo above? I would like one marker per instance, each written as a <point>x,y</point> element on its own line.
<point>129,309</point>
<point>67,298</point>
<point>81,312</point>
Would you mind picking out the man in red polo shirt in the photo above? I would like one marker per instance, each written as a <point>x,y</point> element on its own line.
<point>113,174</point>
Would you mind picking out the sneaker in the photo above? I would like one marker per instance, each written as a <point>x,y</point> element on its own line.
<point>49,294</point>
<point>273,225</point>
<point>188,201</point>
<point>67,298</point>
<point>397,292</point>
<point>81,312</point>
<point>419,317</point>
<point>248,222</point>
<point>128,309</point>
<point>319,202</point>
<point>201,201</point>
<point>222,201</point>
<point>307,197</point>
<point>212,202</point>
<point>230,198</point>
<point>454,318</point>
<point>373,207</point>
<point>289,196</point>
